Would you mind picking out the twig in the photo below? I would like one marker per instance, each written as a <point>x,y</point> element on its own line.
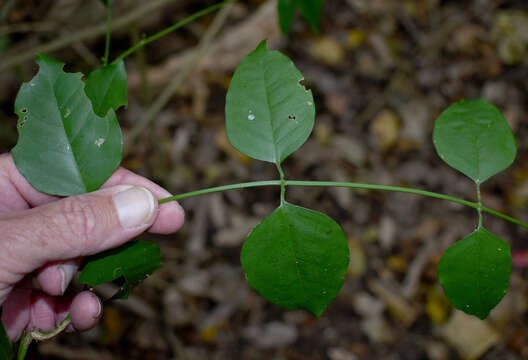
<point>37,26</point>
<point>177,80</point>
<point>88,33</point>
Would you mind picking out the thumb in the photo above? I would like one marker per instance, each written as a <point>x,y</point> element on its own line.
<point>75,226</point>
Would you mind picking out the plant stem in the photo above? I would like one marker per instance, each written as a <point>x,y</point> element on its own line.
<point>172,28</point>
<point>479,208</point>
<point>27,338</point>
<point>282,184</point>
<point>348,185</point>
<point>108,32</point>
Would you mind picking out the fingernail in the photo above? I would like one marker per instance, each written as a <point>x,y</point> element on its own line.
<point>63,279</point>
<point>99,309</point>
<point>135,206</point>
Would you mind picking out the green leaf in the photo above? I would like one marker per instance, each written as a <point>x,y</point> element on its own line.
<point>107,88</point>
<point>311,10</point>
<point>287,10</point>
<point>296,258</point>
<point>474,138</point>
<point>6,348</point>
<point>132,262</point>
<point>269,113</point>
<point>475,272</point>
<point>63,147</point>
<point>105,2</point>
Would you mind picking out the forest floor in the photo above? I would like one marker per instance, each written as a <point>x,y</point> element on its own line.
<point>381,71</point>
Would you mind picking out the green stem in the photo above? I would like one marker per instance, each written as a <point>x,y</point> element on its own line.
<point>27,338</point>
<point>282,184</point>
<point>348,185</point>
<point>108,32</point>
<point>172,28</point>
<point>479,208</point>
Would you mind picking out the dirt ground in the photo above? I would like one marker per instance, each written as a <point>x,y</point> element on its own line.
<point>381,71</point>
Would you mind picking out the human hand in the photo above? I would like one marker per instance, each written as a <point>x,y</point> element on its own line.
<point>45,237</point>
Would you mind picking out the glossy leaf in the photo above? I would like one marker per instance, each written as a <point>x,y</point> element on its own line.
<point>269,113</point>
<point>296,258</point>
<point>107,88</point>
<point>475,272</point>
<point>6,348</point>
<point>287,10</point>
<point>474,138</point>
<point>131,263</point>
<point>63,147</point>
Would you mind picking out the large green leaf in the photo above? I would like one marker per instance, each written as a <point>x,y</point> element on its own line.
<point>107,88</point>
<point>296,258</point>
<point>131,262</point>
<point>6,348</point>
<point>287,10</point>
<point>475,272</point>
<point>63,147</point>
<point>269,114</point>
<point>474,138</point>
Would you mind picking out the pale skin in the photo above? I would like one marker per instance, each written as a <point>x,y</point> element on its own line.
<point>45,238</point>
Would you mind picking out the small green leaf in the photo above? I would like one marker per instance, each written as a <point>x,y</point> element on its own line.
<point>269,113</point>
<point>6,348</point>
<point>132,262</point>
<point>107,88</point>
<point>475,272</point>
<point>63,147</point>
<point>287,10</point>
<point>474,138</point>
<point>311,10</point>
<point>296,258</point>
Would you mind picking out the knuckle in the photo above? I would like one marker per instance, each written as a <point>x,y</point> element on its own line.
<point>76,221</point>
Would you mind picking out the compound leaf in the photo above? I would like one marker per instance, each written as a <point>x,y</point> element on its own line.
<point>475,272</point>
<point>132,262</point>
<point>296,258</point>
<point>107,88</point>
<point>474,138</point>
<point>6,348</point>
<point>269,114</point>
<point>287,10</point>
<point>63,147</point>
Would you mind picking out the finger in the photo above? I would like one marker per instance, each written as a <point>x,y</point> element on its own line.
<point>171,215</point>
<point>85,311</point>
<point>73,227</point>
<point>16,311</point>
<point>42,312</point>
<point>16,192</point>
<point>55,277</point>
<point>19,194</point>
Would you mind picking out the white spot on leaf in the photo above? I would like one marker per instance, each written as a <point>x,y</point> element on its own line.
<point>251,116</point>
<point>99,142</point>
<point>310,103</point>
<point>67,113</point>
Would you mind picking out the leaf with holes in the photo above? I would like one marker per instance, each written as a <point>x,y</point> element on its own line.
<point>269,113</point>
<point>107,88</point>
<point>475,272</point>
<point>6,348</point>
<point>63,147</point>
<point>131,263</point>
<point>296,258</point>
<point>473,137</point>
